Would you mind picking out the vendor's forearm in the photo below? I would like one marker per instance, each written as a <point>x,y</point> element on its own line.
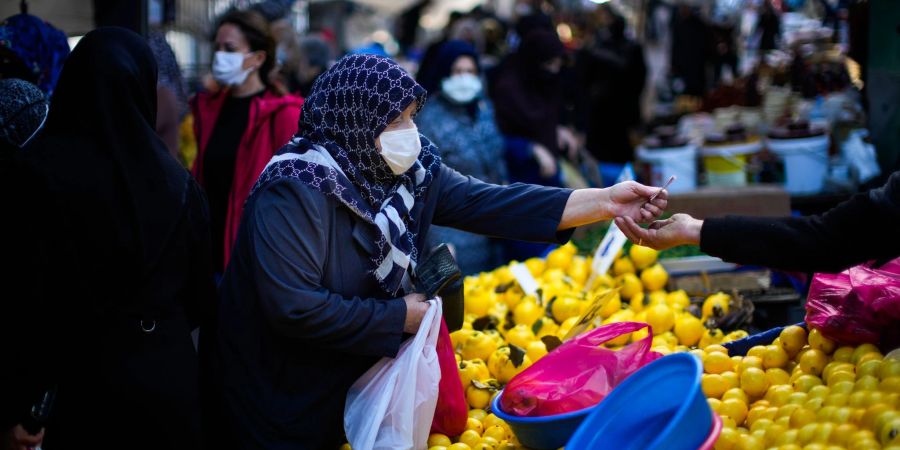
<point>585,206</point>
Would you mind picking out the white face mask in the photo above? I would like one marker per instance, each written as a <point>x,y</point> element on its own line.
<point>228,68</point>
<point>461,88</point>
<point>400,149</point>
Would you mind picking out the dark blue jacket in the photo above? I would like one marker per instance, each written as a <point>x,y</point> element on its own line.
<point>301,316</point>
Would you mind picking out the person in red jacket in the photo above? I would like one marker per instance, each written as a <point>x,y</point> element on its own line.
<point>239,127</point>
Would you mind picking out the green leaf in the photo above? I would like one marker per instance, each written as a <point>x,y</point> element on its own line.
<point>485,323</point>
<point>536,326</point>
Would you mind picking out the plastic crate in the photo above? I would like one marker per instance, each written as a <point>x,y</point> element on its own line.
<point>741,346</point>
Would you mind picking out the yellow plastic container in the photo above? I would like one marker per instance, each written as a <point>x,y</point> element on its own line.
<point>726,165</point>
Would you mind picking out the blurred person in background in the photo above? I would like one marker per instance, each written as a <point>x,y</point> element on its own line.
<point>612,74</point>
<point>528,98</point>
<point>460,121</point>
<point>32,50</point>
<point>239,127</point>
<point>315,58</point>
<point>130,277</point>
<point>171,101</point>
<point>691,39</point>
<point>768,27</point>
<point>23,112</point>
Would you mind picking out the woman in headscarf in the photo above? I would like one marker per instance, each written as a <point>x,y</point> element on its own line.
<point>241,126</point>
<point>460,121</point>
<point>128,268</point>
<point>321,282</point>
<point>32,50</point>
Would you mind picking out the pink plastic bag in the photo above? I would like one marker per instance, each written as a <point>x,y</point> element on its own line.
<point>858,305</point>
<point>578,374</point>
<point>451,412</point>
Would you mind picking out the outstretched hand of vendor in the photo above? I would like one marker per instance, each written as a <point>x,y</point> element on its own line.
<point>680,229</point>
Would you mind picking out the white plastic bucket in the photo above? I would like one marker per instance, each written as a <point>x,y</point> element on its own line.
<point>726,165</point>
<point>661,163</point>
<point>805,163</point>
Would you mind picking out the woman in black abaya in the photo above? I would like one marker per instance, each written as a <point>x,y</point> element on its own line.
<point>130,254</point>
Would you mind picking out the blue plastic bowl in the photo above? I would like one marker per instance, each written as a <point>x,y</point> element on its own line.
<point>542,433</point>
<point>660,407</point>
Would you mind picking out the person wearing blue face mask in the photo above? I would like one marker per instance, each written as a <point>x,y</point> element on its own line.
<point>322,281</point>
<point>460,121</point>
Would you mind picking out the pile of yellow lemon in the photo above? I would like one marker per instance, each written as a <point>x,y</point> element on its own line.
<point>504,329</point>
<point>801,392</point>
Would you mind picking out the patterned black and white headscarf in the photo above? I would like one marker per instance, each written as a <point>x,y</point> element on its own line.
<point>334,152</point>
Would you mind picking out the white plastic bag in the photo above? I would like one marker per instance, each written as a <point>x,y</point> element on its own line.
<point>392,405</point>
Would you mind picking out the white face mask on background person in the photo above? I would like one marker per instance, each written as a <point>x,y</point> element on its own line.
<point>400,149</point>
<point>227,68</point>
<point>461,88</point>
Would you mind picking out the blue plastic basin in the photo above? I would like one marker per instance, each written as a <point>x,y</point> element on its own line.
<point>542,433</point>
<point>660,407</point>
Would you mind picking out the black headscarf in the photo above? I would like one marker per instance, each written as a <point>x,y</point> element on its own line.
<point>526,97</point>
<point>100,149</point>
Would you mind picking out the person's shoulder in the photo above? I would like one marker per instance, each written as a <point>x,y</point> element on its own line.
<point>291,193</point>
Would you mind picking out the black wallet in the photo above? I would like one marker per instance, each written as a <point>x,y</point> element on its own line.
<point>439,275</point>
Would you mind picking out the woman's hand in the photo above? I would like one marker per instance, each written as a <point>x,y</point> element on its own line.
<point>416,307</point>
<point>680,229</point>
<point>631,199</point>
<point>17,438</point>
<point>627,199</point>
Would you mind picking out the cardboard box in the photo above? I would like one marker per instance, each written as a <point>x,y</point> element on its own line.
<point>755,200</point>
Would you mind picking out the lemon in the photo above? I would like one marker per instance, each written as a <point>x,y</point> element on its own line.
<point>717,363</point>
<point>713,385</point>
<point>716,305</point>
<point>521,335</point>
<point>468,437</point>
<point>792,339</point>
<point>734,408</point>
<point>638,301</point>
<point>654,277</point>
<point>478,398</point>
<point>678,300</point>
<point>536,350</point>
<point>479,346</point>
<point>819,342</point>
<point>475,425</point>
<point>612,306</point>
<point>630,285</point>
<point>754,382</point>
<point>527,312</point>
<point>813,361</point>
<point>622,266</point>
<point>566,326</point>
<point>774,357</point>
<point>439,439</point>
<point>660,318</point>
<point>559,258</point>
<point>642,257</point>
<point>579,270</point>
<point>689,329</point>
<point>536,266</point>
<point>479,414</point>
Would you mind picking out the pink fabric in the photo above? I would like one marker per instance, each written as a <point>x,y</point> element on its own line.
<point>272,121</point>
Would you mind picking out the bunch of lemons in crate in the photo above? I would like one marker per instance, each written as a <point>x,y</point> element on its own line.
<point>804,392</point>
<point>506,331</point>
